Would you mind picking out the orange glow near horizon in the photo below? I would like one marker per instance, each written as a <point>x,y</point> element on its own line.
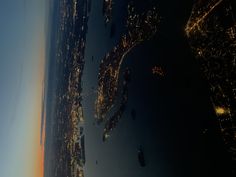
<point>38,147</point>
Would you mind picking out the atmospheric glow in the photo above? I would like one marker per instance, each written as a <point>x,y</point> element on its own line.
<point>22,77</point>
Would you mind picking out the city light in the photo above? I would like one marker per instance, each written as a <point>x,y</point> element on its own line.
<point>220,110</point>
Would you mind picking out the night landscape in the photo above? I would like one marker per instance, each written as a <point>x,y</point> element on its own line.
<point>111,88</point>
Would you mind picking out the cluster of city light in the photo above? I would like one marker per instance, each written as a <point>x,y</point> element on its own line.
<point>211,30</point>
<point>220,110</point>
<point>140,27</point>
<point>193,24</point>
<point>67,133</point>
<point>157,70</point>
